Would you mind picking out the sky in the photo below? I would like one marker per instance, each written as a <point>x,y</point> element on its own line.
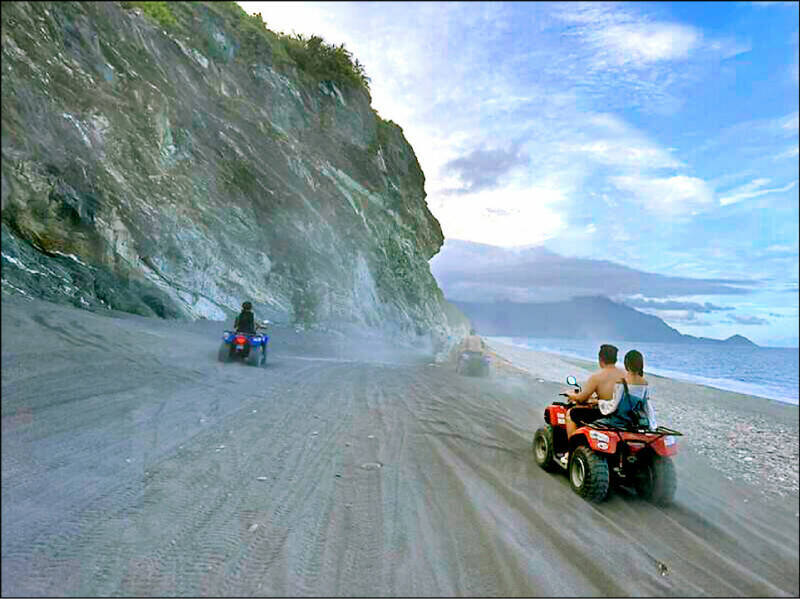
<point>660,136</point>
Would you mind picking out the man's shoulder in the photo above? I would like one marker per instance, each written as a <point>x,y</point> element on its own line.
<point>614,374</point>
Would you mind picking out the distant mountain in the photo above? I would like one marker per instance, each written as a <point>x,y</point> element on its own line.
<point>593,317</point>
<point>739,340</point>
<point>474,272</point>
<point>733,340</point>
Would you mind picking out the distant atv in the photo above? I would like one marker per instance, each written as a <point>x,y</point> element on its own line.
<point>251,349</point>
<point>473,364</point>
<point>598,456</point>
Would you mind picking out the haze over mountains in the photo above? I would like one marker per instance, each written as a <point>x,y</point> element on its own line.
<point>536,293</point>
<point>579,318</point>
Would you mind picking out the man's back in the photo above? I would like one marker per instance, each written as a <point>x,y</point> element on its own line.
<point>606,378</point>
<point>473,343</point>
<point>245,322</point>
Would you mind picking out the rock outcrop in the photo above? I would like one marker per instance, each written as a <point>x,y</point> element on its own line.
<point>177,169</point>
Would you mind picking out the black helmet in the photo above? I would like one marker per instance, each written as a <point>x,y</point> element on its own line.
<point>247,306</point>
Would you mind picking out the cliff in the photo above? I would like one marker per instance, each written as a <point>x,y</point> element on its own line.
<point>177,162</point>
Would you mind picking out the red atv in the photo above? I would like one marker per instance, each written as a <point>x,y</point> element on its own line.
<point>598,456</point>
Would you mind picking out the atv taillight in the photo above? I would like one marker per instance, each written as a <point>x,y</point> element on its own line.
<point>241,340</point>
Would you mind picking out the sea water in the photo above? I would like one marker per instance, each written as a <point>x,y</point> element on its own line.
<point>769,372</point>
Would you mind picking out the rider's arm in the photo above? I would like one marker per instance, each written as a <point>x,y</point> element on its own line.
<point>588,389</point>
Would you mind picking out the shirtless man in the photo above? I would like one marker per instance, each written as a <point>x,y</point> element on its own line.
<point>472,346</point>
<point>473,343</point>
<point>601,383</point>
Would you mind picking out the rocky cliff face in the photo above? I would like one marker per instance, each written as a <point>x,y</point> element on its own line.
<point>177,170</point>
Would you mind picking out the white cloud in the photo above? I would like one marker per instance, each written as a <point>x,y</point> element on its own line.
<point>620,56</point>
<point>643,43</point>
<point>511,218</point>
<point>622,35</point>
<point>728,48</point>
<point>790,123</point>
<point>667,195</point>
<point>753,189</point>
<point>792,152</point>
<point>781,248</point>
<point>682,316</point>
<point>622,152</point>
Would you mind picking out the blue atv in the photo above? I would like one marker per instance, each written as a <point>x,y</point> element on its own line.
<point>247,347</point>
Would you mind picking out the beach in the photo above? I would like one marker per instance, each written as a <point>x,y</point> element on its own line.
<point>136,464</point>
<point>746,438</point>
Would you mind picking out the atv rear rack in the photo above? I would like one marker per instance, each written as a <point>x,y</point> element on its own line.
<point>661,431</point>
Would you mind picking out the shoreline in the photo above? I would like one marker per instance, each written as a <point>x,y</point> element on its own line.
<point>727,385</point>
<point>747,438</point>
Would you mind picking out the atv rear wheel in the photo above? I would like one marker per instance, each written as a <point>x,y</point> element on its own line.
<point>588,474</point>
<point>543,451</point>
<point>264,358</point>
<point>224,353</point>
<point>254,357</point>
<point>656,481</point>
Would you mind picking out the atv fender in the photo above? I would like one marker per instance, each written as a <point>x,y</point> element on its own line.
<point>599,441</point>
<point>555,415</point>
<point>665,446</point>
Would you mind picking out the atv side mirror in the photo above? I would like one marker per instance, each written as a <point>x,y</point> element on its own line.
<point>571,380</point>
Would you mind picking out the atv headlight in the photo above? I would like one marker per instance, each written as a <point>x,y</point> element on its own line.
<point>669,440</point>
<point>597,436</point>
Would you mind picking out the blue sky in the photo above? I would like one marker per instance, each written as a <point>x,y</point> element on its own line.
<point>662,136</point>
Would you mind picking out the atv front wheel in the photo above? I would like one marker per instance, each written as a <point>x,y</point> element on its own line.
<point>224,353</point>
<point>543,449</point>
<point>657,481</point>
<point>588,474</point>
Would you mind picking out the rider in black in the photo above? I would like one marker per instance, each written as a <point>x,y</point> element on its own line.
<point>246,321</point>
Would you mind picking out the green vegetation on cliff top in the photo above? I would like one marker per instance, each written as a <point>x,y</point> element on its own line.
<point>312,56</point>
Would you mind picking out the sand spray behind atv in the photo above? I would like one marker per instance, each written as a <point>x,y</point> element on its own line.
<point>598,456</point>
<point>250,348</point>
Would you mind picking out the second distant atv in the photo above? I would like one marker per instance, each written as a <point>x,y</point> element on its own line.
<point>473,364</point>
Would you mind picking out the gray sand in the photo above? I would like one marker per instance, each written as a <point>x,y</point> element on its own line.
<point>133,463</point>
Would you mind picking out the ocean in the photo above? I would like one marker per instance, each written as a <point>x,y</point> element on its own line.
<point>761,371</point>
